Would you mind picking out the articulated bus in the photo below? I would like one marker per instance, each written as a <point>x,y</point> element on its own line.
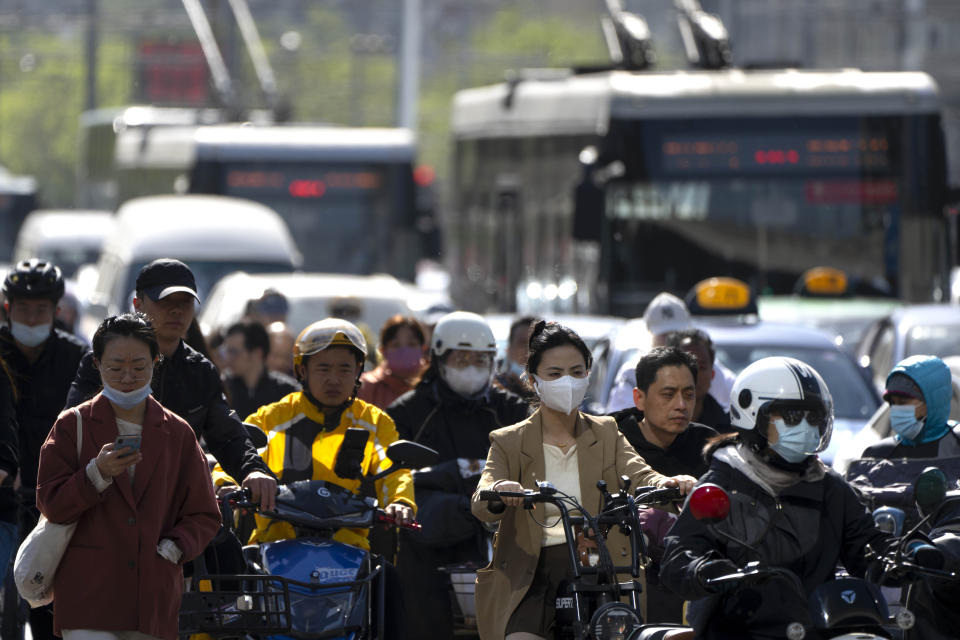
<point>592,192</point>
<point>353,198</point>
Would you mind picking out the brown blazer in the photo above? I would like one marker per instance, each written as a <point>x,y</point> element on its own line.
<point>111,577</point>
<point>516,453</point>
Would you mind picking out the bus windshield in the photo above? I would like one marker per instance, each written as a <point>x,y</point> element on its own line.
<point>762,200</point>
<point>340,213</point>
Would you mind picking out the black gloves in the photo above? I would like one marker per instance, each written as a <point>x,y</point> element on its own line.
<point>710,569</point>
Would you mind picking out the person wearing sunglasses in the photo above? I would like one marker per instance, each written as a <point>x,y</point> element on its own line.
<point>787,509</point>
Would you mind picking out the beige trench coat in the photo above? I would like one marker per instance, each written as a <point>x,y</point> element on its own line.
<point>516,453</point>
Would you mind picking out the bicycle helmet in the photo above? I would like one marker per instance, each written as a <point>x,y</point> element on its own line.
<point>34,278</point>
<point>786,386</point>
<point>464,331</point>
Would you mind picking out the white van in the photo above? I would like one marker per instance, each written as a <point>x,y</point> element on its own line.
<point>214,235</point>
<point>369,301</point>
<point>69,238</point>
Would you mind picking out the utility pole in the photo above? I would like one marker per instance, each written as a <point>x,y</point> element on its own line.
<point>91,42</point>
<point>408,89</point>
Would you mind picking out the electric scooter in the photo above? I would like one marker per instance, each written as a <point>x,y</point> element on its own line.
<point>311,586</point>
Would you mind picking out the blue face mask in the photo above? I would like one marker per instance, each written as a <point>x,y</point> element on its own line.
<point>126,399</point>
<point>904,422</point>
<point>795,443</point>
<point>30,336</point>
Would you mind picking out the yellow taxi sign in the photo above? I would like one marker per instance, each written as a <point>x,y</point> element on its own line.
<point>824,281</point>
<point>724,294</point>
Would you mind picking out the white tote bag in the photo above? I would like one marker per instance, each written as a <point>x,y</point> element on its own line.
<point>39,555</point>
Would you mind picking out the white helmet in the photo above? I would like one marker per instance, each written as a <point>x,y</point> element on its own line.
<point>327,333</point>
<point>462,330</point>
<point>783,384</point>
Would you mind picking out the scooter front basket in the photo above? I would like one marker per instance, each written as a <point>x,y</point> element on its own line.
<point>236,605</point>
<point>273,606</point>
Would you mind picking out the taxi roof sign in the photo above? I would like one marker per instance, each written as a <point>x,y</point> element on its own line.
<point>721,296</point>
<point>823,282</point>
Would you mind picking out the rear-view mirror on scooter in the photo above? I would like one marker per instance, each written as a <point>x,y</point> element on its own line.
<point>930,489</point>
<point>709,503</point>
<point>405,454</point>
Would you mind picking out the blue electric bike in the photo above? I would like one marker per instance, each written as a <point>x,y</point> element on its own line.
<point>309,587</point>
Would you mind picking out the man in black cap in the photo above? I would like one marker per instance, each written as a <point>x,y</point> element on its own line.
<point>185,382</point>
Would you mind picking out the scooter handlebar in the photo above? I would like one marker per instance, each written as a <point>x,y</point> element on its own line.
<point>390,521</point>
<point>656,495</point>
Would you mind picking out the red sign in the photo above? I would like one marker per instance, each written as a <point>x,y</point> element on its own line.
<point>851,191</point>
<point>173,74</point>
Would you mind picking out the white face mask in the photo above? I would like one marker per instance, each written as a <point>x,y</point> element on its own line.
<point>563,394</point>
<point>126,399</point>
<point>468,381</point>
<point>30,336</point>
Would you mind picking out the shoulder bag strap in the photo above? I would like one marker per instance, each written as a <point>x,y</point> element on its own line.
<point>76,412</point>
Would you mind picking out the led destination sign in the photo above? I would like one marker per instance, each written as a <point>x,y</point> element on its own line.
<point>725,154</point>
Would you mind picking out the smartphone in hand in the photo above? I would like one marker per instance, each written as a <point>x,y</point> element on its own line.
<point>127,442</point>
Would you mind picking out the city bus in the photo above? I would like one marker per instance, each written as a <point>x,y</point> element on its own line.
<point>353,198</point>
<point>592,192</point>
<point>97,184</point>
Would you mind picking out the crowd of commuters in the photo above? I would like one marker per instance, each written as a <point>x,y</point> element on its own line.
<point>677,418</point>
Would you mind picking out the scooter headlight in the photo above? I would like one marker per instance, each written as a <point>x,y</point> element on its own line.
<point>614,621</point>
<point>322,611</point>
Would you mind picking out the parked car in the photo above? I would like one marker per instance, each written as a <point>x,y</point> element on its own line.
<point>741,343</point>
<point>920,329</point>
<point>214,235</point>
<point>368,300</point>
<point>69,238</point>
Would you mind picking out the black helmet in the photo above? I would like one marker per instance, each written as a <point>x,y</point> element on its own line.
<point>34,278</point>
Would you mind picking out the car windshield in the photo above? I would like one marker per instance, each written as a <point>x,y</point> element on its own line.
<point>935,339</point>
<point>852,397</point>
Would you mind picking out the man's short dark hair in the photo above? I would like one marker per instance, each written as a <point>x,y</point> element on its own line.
<point>254,335</point>
<point>525,323</point>
<point>695,336</point>
<point>660,357</point>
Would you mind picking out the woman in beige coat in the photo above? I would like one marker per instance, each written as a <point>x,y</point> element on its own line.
<point>515,592</point>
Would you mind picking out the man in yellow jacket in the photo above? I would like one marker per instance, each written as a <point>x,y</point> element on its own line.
<point>305,428</point>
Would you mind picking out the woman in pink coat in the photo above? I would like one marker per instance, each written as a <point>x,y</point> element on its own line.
<point>141,512</point>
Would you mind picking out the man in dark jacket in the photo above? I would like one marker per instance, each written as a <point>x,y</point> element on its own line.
<point>452,410</point>
<point>185,382</point>
<point>248,382</point>
<point>659,424</point>
<point>42,361</point>
<point>918,390</point>
<point>659,428</point>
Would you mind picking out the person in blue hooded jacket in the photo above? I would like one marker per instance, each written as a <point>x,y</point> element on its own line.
<point>918,390</point>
